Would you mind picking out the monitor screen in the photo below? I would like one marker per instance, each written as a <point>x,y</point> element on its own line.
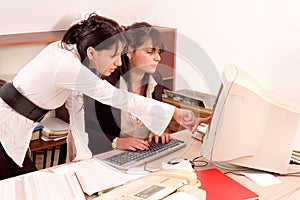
<point>249,126</point>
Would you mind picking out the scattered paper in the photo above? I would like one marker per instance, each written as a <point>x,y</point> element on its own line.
<point>262,178</point>
<point>95,176</point>
<point>185,165</point>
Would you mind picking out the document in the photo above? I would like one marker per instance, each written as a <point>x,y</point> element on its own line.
<point>42,186</point>
<point>95,176</point>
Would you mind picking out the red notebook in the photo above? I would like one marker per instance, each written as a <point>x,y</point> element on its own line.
<point>220,186</point>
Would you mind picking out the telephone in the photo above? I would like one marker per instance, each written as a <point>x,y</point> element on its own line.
<point>186,175</point>
<point>157,185</point>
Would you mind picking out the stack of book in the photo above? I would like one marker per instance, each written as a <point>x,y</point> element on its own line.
<point>296,156</point>
<point>295,159</point>
<point>36,132</point>
<point>54,129</point>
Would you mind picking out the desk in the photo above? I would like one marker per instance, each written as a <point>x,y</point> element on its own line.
<point>41,145</point>
<point>289,186</point>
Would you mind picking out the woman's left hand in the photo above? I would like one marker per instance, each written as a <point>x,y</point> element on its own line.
<point>164,138</point>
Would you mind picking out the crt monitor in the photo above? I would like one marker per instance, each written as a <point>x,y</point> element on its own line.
<point>249,126</point>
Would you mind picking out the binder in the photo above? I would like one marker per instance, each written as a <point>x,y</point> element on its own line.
<point>220,186</point>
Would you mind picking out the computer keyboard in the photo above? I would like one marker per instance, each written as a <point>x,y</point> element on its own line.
<point>127,159</point>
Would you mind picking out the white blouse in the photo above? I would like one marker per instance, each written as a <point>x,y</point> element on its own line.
<point>130,125</point>
<point>56,76</point>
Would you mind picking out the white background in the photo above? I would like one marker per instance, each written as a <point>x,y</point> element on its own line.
<point>259,36</point>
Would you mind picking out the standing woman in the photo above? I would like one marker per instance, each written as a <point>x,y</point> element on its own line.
<point>58,75</point>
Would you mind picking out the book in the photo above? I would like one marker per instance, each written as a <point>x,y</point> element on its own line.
<point>42,186</point>
<point>35,135</point>
<point>295,156</point>
<point>36,132</point>
<point>220,186</point>
<point>54,128</point>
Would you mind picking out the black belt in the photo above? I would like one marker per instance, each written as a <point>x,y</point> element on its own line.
<point>21,104</point>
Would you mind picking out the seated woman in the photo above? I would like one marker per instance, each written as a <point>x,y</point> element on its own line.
<point>138,75</point>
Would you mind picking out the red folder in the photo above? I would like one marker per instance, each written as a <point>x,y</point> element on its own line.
<point>220,186</point>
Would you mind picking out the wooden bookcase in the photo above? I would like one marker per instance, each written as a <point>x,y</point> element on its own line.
<point>167,66</point>
<point>30,38</point>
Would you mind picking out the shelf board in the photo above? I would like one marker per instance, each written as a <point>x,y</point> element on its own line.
<point>31,38</point>
<point>7,77</point>
<point>168,78</point>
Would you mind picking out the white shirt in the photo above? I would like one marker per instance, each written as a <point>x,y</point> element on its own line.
<point>131,126</point>
<point>56,76</point>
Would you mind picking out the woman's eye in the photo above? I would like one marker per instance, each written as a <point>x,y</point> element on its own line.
<point>150,50</point>
<point>115,55</point>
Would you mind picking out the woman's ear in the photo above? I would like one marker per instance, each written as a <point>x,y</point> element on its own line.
<point>129,54</point>
<point>90,53</point>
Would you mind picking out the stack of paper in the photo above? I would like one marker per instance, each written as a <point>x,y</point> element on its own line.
<point>42,186</point>
<point>54,129</point>
<point>95,176</point>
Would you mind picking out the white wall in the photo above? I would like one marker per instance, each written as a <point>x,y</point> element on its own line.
<point>259,36</point>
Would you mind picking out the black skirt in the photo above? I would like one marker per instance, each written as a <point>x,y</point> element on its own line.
<point>8,168</point>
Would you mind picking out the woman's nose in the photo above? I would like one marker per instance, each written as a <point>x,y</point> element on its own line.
<point>118,61</point>
<point>157,57</point>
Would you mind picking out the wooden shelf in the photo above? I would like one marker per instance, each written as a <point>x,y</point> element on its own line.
<point>199,111</point>
<point>31,38</point>
<point>167,65</point>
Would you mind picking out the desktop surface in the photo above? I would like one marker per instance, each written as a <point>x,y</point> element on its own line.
<point>157,163</point>
<point>289,188</point>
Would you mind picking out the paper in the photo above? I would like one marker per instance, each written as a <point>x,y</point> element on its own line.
<point>261,178</point>
<point>185,165</point>
<point>44,138</point>
<point>50,186</point>
<point>54,124</point>
<point>95,176</point>
<point>8,189</point>
<point>42,186</point>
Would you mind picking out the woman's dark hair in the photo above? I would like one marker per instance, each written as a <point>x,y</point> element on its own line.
<point>136,35</point>
<point>96,31</point>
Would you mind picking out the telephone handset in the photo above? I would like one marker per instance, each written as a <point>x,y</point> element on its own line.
<point>156,185</point>
<point>189,176</point>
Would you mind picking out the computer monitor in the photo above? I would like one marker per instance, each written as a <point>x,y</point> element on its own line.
<point>249,126</point>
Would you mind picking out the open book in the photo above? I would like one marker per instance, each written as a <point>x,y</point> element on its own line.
<point>42,186</point>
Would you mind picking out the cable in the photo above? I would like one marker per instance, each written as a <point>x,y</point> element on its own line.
<point>198,162</point>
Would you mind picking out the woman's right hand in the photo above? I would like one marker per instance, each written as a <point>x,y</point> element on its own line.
<point>132,143</point>
<point>186,118</point>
